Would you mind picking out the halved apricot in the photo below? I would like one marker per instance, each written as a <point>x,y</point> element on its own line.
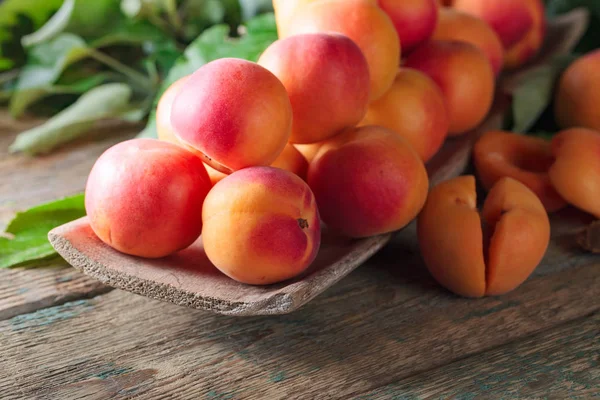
<point>498,154</point>
<point>490,253</point>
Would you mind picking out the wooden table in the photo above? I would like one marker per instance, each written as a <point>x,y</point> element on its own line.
<point>386,331</point>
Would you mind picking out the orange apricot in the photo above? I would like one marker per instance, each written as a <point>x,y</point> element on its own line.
<point>577,95</point>
<point>292,160</point>
<point>216,113</point>
<point>164,128</point>
<point>414,108</point>
<point>515,228</point>
<point>368,181</point>
<point>261,225</point>
<point>576,172</point>
<point>309,151</point>
<point>284,12</point>
<point>465,76</point>
<point>327,79</point>
<point>520,25</point>
<point>463,27</point>
<point>415,20</point>
<point>526,159</point>
<point>144,197</point>
<point>363,22</point>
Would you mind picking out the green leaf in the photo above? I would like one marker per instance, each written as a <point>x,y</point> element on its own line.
<point>215,43</point>
<point>534,95</point>
<point>53,27</point>
<point>19,18</point>
<point>591,39</point>
<point>106,101</point>
<point>26,237</point>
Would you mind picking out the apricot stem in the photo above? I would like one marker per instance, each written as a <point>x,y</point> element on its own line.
<point>302,223</point>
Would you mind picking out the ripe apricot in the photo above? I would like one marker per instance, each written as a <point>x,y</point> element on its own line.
<point>463,27</point>
<point>415,20</point>
<point>516,231</point>
<point>368,181</point>
<point>576,172</point>
<point>520,24</point>
<point>261,225</point>
<point>144,197</point>
<point>414,108</point>
<point>164,128</point>
<point>526,159</point>
<point>292,160</point>
<point>216,113</point>
<point>577,95</point>
<point>363,22</point>
<point>327,79</point>
<point>465,76</point>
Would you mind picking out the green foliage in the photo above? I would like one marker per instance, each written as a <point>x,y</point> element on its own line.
<point>26,237</point>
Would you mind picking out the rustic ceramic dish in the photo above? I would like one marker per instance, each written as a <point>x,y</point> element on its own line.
<point>189,279</point>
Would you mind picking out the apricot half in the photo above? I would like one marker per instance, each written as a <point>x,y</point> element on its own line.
<point>363,22</point>
<point>368,181</point>
<point>261,225</point>
<point>490,253</point>
<point>144,197</point>
<point>327,79</point>
<point>576,172</point>
<point>498,154</point>
<point>220,113</point>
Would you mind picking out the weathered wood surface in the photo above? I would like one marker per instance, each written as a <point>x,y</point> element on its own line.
<point>562,363</point>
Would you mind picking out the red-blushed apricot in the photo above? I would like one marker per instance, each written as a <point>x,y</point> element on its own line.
<point>463,27</point>
<point>363,22</point>
<point>498,154</point>
<point>327,79</point>
<point>368,181</point>
<point>309,151</point>
<point>414,108</point>
<point>292,160</point>
<point>520,25</point>
<point>577,95</point>
<point>513,224</point>
<point>164,127</point>
<point>465,76</point>
<point>220,112</point>
<point>261,225</point>
<point>144,197</point>
<point>576,172</point>
<point>415,20</point>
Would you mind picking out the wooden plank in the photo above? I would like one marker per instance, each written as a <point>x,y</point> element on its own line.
<point>387,321</point>
<point>26,181</point>
<point>563,363</point>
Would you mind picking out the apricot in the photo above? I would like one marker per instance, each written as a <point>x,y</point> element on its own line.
<point>465,76</point>
<point>220,113</point>
<point>309,151</point>
<point>576,172</point>
<point>164,128</point>
<point>463,27</point>
<point>577,95</point>
<point>368,181</point>
<point>415,20</point>
<point>516,231</point>
<point>520,25</point>
<point>144,197</point>
<point>363,22</point>
<point>284,12</point>
<point>292,160</point>
<point>261,225</point>
<point>526,159</point>
<point>414,108</point>
<point>327,79</point>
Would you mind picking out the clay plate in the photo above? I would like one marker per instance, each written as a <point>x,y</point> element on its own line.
<point>188,278</point>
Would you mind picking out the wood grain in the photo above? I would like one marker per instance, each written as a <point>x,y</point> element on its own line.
<point>387,321</point>
<point>562,363</point>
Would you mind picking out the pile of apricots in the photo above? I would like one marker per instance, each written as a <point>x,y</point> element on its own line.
<point>334,124</point>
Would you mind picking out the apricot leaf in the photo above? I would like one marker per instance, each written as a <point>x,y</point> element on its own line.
<point>26,237</point>
<point>107,101</point>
